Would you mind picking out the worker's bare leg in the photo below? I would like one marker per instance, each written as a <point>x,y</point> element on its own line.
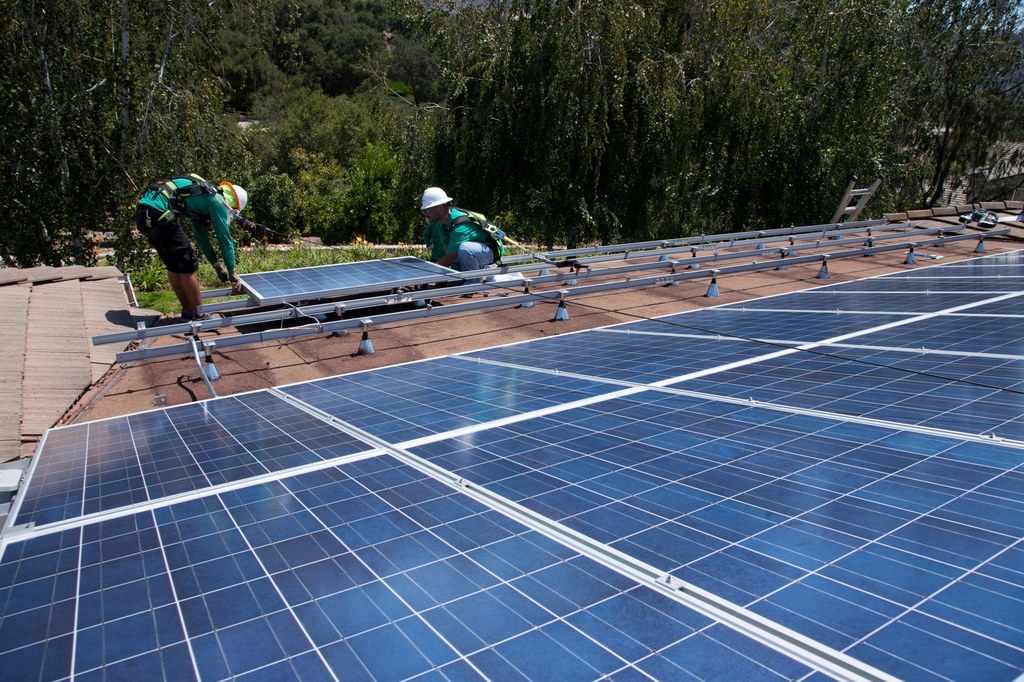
<point>186,288</point>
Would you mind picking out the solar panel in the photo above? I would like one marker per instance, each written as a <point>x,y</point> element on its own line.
<point>742,492</point>
<point>965,284</point>
<point>109,464</point>
<point>341,279</point>
<point>339,571</point>
<point>836,300</point>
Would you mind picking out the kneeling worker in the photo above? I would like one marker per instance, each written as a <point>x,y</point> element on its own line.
<point>158,215</point>
<point>469,245</point>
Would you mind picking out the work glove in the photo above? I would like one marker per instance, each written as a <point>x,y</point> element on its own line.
<point>236,286</point>
<point>222,274</point>
<point>255,229</point>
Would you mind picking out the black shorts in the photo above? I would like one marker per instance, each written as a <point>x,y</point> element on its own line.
<point>169,239</point>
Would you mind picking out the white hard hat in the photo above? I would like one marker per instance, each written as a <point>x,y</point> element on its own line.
<point>243,197</point>
<point>434,196</point>
<point>235,196</point>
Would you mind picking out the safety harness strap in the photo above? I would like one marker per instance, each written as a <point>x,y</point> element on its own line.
<point>494,234</point>
<point>176,196</point>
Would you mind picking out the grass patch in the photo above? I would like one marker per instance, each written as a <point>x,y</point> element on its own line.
<point>161,301</point>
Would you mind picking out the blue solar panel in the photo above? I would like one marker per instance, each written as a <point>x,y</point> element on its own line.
<point>640,357</point>
<point>425,398</point>
<point>370,569</point>
<point>338,279</point>
<point>935,284</point>
<point>109,464</point>
<point>966,395</point>
<point>826,483</point>
<point>832,300</point>
<point>786,326</point>
<point>801,522</point>
<point>957,333</point>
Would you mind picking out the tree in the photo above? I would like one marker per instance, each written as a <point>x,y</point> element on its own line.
<point>608,119</point>
<point>367,208</point>
<point>536,93</point>
<point>51,96</point>
<point>965,86</point>
<point>324,43</point>
<point>103,98</point>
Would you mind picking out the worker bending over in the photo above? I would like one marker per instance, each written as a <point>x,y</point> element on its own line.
<point>158,217</point>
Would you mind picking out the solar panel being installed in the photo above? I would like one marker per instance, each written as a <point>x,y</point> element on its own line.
<point>341,279</point>
<point>745,492</point>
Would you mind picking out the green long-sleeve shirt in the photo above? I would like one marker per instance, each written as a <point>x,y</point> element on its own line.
<point>435,236</point>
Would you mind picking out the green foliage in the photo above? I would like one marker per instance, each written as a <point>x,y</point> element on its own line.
<point>410,64</point>
<point>272,199</point>
<point>312,122</point>
<point>319,195</point>
<point>607,119</point>
<point>964,89</point>
<point>324,42</point>
<point>367,206</point>
<point>100,100</point>
<point>245,64</point>
<point>161,301</point>
<point>576,122</point>
<point>149,274</point>
<point>341,204</point>
<point>47,132</point>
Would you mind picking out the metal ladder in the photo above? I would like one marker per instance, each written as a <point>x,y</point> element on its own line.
<point>850,211</point>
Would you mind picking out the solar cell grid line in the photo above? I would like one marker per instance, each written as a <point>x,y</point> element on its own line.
<point>967,285</point>
<point>887,303</point>
<point>662,360</point>
<point>968,489</point>
<point>977,397</point>
<point>916,350</point>
<point>761,630</point>
<point>485,465</point>
<point>56,482</point>
<point>850,386</point>
<point>427,397</point>
<point>720,497</point>
<point>395,397</point>
<point>392,482</point>
<point>731,321</point>
<point>631,357</point>
<point>981,274</point>
<point>340,279</point>
<point>112,480</point>
<point>269,581</point>
<point>990,334</point>
<point>123,461</point>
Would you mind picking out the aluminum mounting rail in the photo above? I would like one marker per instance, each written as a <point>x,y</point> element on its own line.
<point>692,241</point>
<point>618,252</point>
<point>238,317</point>
<point>680,272</point>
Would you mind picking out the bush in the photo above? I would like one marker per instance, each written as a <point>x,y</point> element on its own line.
<point>273,203</point>
<point>368,199</point>
<point>149,274</point>
<point>319,196</point>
